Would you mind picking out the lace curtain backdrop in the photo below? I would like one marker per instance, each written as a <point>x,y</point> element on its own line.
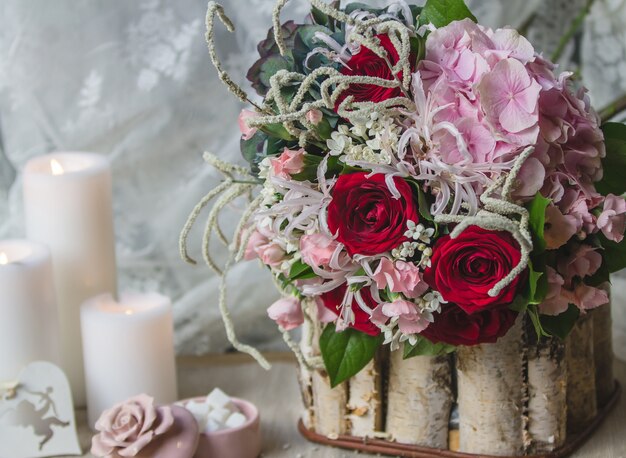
<point>133,80</point>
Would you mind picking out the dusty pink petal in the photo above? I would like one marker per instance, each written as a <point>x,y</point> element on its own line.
<point>290,162</point>
<point>515,44</point>
<point>531,178</point>
<point>589,297</point>
<point>612,220</point>
<point>559,228</point>
<point>555,302</point>
<point>314,116</point>
<point>166,420</point>
<point>401,277</point>
<point>410,319</point>
<point>287,312</point>
<point>108,417</point>
<point>378,317</point>
<point>271,254</point>
<point>99,446</point>
<point>137,446</point>
<point>412,325</point>
<point>584,261</point>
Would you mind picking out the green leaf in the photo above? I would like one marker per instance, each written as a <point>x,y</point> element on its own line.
<point>442,12</point>
<point>614,254</point>
<point>271,65</point>
<point>560,325</point>
<point>300,271</point>
<point>537,211</point>
<point>424,347</point>
<point>533,313</point>
<point>346,353</point>
<point>614,163</point>
<point>277,131</point>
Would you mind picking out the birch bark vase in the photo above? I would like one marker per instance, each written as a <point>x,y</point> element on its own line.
<point>491,393</point>
<point>364,401</point>
<point>603,350</point>
<point>547,400</point>
<point>419,400</point>
<point>305,376</point>
<point>329,404</point>
<point>581,375</point>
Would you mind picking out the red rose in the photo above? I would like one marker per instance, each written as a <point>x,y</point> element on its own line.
<point>332,300</point>
<point>365,216</point>
<point>455,327</point>
<point>464,269</point>
<point>367,63</point>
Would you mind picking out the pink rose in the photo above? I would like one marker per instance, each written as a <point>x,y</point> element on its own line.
<point>255,241</point>
<point>247,131</point>
<point>612,220</point>
<point>317,249</point>
<point>559,228</point>
<point>128,427</point>
<point>403,277</point>
<point>314,116</point>
<point>410,319</point>
<point>288,163</point>
<point>287,312</point>
<point>554,303</point>
<point>271,254</point>
<point>585,260</point>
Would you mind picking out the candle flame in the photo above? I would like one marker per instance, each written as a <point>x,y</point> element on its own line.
<point>4,260</point>
<point>128,312</point>
<point>57,169</point>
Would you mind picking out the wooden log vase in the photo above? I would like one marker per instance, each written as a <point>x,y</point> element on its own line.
<point>520,396</point>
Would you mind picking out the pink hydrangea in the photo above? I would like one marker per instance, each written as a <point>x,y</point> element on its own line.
<point>555,302</point>
<point>583,261</point>
<point>287,313</point>
<point>288,163</point>
<point>401,277</point>
<point>612,220</point>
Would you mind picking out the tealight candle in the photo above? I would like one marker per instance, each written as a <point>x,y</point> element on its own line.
<point>28,329</point>
<point>67,206</point>
<point>128,350</point>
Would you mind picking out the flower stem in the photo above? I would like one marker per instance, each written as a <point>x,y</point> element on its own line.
<point>613,108</point>
<point>576,25</point>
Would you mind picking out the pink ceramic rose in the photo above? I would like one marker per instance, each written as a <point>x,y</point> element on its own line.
<point>288,163</point>
<point>401,277</point>
<point>287,313</point>
<point>129,427</point>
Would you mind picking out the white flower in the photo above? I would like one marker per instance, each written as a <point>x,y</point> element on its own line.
<point>337,143</point>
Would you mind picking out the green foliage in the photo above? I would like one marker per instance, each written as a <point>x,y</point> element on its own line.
<point>560,325</point>
<point>346,353</point>
<point>300,271</point>
<point>311,164</point>
<point>259,147</point>
<point>537,210</point>
<point>424,347</point>
<point>614,254</point>
<point>614,164</point>
<point>442,12</point>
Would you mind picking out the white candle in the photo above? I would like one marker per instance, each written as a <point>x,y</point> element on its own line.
<point>67,205</point>
<point>28,321</point>
<point>129,349</point>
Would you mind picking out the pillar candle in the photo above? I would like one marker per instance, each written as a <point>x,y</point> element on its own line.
<point>67,205</point>
<point>128,350</point>
<point>28,326</point>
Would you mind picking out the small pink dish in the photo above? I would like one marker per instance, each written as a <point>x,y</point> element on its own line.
<point>241,442</point>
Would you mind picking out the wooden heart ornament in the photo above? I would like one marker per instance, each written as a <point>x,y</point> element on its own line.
<point>37,415</point>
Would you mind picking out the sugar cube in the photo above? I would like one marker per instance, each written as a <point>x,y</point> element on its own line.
<point>199,410</point>
<point>212,426</point>
<point>219,414</point>
<point>217,398</point>
<point>235,420</point>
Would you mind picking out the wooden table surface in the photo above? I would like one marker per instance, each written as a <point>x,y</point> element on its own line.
<point>276,394</point>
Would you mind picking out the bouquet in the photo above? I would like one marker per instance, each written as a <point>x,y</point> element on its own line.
<point>425,182</point>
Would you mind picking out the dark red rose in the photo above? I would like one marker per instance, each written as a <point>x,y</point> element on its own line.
<point>455,327</point>
<point>367,63</point>
<point>332,300</point>
<point>464,269</point>
<point>366,217</point>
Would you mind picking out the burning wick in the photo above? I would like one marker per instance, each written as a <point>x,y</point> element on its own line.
<point>57,169</point>
<point>4,260</point>
<point>128,312</point>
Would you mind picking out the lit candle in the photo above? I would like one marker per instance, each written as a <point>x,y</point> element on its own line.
<point>67,205</point>
<point>129,350</point>
<point>28,330</point>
